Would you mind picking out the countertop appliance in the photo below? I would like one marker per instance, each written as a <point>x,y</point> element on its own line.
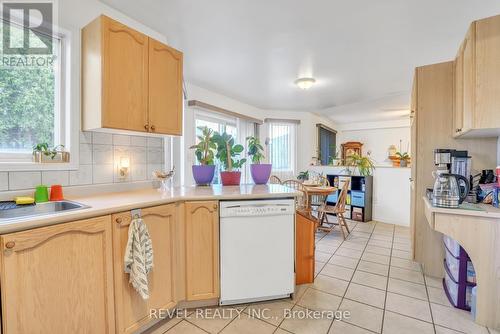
<point>257,239</point>
<point>447,193</point>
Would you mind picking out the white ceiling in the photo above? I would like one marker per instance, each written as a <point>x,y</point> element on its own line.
<point>361,52</point>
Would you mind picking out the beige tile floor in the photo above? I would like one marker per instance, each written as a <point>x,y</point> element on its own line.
<point>370,275</point>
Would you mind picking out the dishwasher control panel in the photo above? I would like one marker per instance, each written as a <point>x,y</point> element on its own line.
<point>257,208</point>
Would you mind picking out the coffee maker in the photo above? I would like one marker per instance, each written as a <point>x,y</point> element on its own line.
<point>447,191</point>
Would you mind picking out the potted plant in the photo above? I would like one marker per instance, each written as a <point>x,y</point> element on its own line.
<point>228,153</point>
<point>334,160</point>
<point>203,173</point>
<point>403,158</point>
<point>364,165</point>
<point>303,176</point>
<point>260,172</point>
<point>43,153</point>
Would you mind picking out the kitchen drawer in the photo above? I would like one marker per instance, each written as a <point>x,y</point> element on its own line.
<point>452,245</point>
<point>453,291</point>
<point>453,268</point>
<point>358,198</point>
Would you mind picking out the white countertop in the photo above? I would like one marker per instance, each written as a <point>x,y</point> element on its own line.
<point>489,210</point>
<point>108,203</point>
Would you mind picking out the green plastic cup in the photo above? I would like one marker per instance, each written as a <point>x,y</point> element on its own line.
<point>41,194</point>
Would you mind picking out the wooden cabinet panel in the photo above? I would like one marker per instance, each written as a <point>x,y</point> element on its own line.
<point>468,82</point>
<point>487,73</point>
<point>304,249</point>
<point>129,81</point>
<point>458,93</point>
<point>165,89</point>
<point>202,250</point>
<point>125,80</point>
<point>58,279</point>
<point>132,311</point>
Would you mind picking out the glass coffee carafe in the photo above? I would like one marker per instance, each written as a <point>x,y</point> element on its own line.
<point>447,192</point>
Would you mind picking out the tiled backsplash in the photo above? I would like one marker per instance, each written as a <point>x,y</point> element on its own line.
<point>100,155</point>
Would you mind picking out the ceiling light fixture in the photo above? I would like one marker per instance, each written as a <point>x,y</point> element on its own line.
<point>305,83</point>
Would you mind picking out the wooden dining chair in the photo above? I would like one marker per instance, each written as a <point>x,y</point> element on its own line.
<point>338,209</point>
<point>318,200</point>
<point>274,180</point>
<point>301,202</point>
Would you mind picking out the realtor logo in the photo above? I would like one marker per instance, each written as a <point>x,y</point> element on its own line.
<point>27,28</point>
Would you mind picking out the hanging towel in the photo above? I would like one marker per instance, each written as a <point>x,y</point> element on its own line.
<point>139,256</point>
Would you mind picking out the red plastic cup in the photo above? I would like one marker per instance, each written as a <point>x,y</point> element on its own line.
<point>56,193</point>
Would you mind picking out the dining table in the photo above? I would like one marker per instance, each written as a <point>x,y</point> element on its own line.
<point>316,190</point>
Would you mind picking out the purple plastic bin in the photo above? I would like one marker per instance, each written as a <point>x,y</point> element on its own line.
<point>458,292</point>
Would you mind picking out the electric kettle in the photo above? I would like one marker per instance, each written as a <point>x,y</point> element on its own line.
<point>447,191</point>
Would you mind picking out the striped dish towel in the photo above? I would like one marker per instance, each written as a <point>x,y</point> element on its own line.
<point>139,256</point>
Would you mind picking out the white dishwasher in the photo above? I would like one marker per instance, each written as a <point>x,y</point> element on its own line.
<point>257,250</point>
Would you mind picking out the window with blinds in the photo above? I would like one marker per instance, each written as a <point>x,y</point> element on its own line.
<point>282,147</point>
<point>327,144</point>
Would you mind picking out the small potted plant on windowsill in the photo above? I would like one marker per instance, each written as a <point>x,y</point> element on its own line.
<point>334,160</point>
<point>43,153</point>
<point>260,172</point>
<point>404,157</point>
<point>203,173</point>
<point>228,153</point>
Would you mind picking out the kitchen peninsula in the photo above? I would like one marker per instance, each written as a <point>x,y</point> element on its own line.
<point>478,232</point>
<point>54,258</point>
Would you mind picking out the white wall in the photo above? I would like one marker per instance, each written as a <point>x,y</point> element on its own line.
<point>377,137</point>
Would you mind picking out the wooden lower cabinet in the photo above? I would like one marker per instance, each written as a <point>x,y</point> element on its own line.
<point>304,248</point>
<point>202,250</point>
<point>58,279</point>
<point>132,312</point>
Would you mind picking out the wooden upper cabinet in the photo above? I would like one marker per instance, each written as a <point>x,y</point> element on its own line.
<point>458,93</point>
<point>125,77</point>
<point>202,250</point>
<point>129,81</point>
<point>165,88</point>
<point>132,312</point>
<point>487,73</point>
<point>468,81</point>
<point>477,88</point>
<point>58,279</point>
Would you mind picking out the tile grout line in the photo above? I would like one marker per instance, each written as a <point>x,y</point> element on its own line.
<point>387,282</point>
<point>429,300</point>
<point>350,280</point>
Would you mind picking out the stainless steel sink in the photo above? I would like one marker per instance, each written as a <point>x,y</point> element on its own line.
<point>40,209</point>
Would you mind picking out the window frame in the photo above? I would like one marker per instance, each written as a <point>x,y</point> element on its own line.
<point>294,126</point>
<point>67,114</point>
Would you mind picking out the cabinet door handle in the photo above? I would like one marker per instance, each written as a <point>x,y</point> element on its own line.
<point>118,220</point>
<point>215,206</point>
<point>146,127</point>
<point>153,128</point>
<point>10,244</point>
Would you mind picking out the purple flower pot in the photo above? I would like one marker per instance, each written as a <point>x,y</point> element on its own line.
<point>260,172</point>
<point>203,174</point>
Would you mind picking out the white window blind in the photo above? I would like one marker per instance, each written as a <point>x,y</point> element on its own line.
<point>282,148</point>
